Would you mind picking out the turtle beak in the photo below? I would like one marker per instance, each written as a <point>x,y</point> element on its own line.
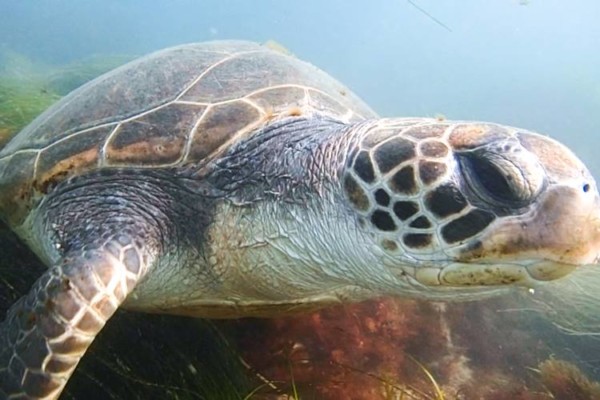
<point>594,223</point>
<point>566,225</point>
<point>569,225</point>
<point>563,231</point>
<point>575,245</point>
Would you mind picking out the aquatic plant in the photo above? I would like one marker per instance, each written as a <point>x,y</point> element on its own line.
<point>27,89</point>
<point>566,381</point>
<point>356,351</point>
<point>21,100</point>
<point>64,79</point>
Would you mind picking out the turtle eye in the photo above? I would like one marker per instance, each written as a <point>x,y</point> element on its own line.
<point>502,176</point>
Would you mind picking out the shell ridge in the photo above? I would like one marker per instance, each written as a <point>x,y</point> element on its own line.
<point>192,133</point>
<point>209,69</point>
<point>192,103</point>
<point>185,104</point>
<point>102,153</point>
<point>25,150</point>
<point>234,138</point>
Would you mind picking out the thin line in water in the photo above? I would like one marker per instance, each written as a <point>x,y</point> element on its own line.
<point>428,15</point>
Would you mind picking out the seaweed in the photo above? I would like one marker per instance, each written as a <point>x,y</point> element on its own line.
<point>566,381</point>
<point>21,100</point>
<point>27,89</point>
<point>64,79</point>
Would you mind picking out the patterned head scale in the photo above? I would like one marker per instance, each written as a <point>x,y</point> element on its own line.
<point>456,192</point>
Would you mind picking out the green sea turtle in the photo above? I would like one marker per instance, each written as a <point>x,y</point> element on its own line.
<point>228,179</point>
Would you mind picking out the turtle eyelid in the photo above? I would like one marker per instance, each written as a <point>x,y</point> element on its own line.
<point>501,180</point>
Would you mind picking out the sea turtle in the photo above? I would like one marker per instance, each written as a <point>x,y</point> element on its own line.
<point>229,179</point>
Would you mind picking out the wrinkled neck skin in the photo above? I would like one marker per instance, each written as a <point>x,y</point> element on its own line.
<point>298,230</point>
<point>286,231</point>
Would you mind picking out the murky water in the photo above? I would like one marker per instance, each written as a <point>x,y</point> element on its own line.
<point>533,64</point>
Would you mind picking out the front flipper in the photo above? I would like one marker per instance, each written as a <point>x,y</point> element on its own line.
<point>46,332</point>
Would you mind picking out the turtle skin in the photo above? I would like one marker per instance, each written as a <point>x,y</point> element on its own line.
<point>228,179</point>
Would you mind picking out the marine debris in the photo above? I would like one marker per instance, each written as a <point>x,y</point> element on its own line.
<point>429,15</point>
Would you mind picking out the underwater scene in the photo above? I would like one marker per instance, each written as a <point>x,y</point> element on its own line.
<point>484,327</point>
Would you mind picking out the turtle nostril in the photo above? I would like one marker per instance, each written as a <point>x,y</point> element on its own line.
<point>586,187</point>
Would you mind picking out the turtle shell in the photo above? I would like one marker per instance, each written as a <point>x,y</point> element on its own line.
<point>181,105</point>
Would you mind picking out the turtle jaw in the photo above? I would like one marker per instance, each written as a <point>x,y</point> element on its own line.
<point>547,243</point>
<point>457,274</point>
<point>564,229</point>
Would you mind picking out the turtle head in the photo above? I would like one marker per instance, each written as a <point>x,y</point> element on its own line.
<point>472,204</point>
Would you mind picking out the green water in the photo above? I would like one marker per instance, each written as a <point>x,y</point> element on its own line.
<point>533,64</point>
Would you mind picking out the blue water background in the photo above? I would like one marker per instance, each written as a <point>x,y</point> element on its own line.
<point>533,64</point>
